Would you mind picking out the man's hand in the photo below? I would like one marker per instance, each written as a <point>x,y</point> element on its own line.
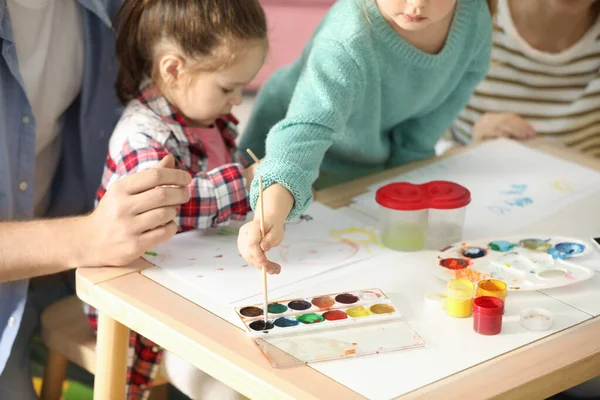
<point>136,214</point>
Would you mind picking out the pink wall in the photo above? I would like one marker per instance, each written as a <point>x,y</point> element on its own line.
<point>291,24</point>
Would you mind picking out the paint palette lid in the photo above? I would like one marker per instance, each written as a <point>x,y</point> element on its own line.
<point>441,195</point>
<point>524,263</point>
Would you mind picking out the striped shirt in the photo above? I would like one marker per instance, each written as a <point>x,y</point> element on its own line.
<point>558,94</point>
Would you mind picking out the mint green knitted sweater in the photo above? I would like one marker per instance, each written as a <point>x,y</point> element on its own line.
<point>361,99</point>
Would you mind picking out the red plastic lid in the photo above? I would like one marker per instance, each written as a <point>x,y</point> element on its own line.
<point>440,195</point>
<point>488,305</point>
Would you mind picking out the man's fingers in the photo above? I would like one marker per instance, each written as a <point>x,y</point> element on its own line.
<point>151,178</point>
<point>154,218</point>
<point>167,162</point>
<point>161,196</point>
<point>158,235</point>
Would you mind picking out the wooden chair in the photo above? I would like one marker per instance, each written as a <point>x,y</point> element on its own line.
<point>66,333</point>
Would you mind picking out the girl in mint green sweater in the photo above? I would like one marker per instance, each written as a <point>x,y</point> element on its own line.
<point>375,88</point>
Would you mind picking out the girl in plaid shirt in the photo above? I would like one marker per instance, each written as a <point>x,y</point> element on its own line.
<point>183,66</point>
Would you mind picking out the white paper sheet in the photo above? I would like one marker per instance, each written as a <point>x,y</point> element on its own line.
<point>451,343</point>
<point>319,241</point>
<point>511,186</point>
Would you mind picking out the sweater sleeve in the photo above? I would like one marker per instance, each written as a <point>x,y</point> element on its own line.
<point>320,106</point>
<point>415,139</point>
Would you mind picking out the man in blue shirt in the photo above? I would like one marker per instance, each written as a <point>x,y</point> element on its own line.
<point>57,111</point>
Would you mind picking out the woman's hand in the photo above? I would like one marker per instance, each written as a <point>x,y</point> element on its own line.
<point>496,125</point>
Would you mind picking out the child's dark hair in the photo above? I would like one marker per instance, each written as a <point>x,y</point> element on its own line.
<point>206,31</point>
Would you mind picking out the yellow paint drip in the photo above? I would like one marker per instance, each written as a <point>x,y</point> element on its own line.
<point>358,311</point>
<point>361,236</point>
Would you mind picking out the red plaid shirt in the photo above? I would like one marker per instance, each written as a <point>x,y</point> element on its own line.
<point>149,130</point>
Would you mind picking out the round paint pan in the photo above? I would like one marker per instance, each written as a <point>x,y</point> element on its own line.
<point>323,302</point>
<point>536,319</point>
<point>260,325</point>
<point>251,311</point>
<point>346,298</point>
<point>299,305</point>
<point>552,273</point>
<point>369,295</point>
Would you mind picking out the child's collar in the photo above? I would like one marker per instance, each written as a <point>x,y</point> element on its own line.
<point>150,96</point>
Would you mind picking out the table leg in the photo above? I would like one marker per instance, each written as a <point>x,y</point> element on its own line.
<point>111,359</point>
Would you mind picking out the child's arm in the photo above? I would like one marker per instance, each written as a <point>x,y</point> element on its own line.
<point>216,196</point>
<point>322,102</point>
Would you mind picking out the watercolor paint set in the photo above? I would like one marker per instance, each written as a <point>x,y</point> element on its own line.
<point>523,263</point>
<point>327,327</point>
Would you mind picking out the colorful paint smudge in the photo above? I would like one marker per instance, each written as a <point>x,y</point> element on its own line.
<point>539,245</point>
<point>471,275</point>
<point>300,219</point>
<point>455,263</point>
<point>228,231</point>
<point>501,245</point>
<point>520,201</point>
<point>473,252</point>
<point>564,250</point>
<point>563,186</point>
<point>357,236</point>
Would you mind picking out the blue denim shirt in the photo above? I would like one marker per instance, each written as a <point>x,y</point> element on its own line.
<point>87,125</point>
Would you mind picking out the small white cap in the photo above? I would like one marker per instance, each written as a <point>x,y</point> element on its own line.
<point>536,319</point>
<point>435,300</point>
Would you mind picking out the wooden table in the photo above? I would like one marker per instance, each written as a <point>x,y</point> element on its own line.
<point>127,299</point>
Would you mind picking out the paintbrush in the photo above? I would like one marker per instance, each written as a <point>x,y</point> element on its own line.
<point>261,215</point>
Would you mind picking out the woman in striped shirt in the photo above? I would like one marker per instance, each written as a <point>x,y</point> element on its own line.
<point>544,78</point>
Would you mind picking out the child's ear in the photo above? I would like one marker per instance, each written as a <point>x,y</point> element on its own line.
<point>171,69</point>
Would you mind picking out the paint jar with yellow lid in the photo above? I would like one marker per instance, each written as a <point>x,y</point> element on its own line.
<point>491,287</point>
<point>459,300</point>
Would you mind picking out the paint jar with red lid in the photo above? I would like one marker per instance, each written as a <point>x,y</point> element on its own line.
<point>403,216</point>
<point>447,209</point>
<point>487,315</point>
<point>430,215</point>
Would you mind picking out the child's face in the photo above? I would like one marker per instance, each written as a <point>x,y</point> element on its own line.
<point>210,95</point>
<point>414,15</point>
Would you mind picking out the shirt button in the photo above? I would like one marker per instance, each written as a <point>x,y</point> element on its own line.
<point>11,322</point>
<point>155,349</point>
<point>143,387</point>
<point>23,186</point>
<point>26,120</point>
